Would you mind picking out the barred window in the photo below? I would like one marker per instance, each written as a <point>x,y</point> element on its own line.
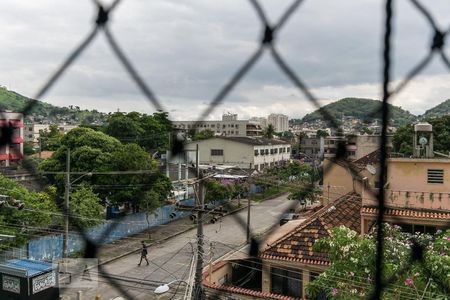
<point>435,176</point>
<point>216,152</point>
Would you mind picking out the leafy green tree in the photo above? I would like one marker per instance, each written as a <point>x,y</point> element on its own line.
<point>37,215</point>
<point>151,132</point>
<point>353,265</point>
<point>321,133</point>
<point>28,148</point>
<point>215,191</point>
<point>85,207</point>
<point>95,151</point>
<point>203,135</point>
<point>50,139</point>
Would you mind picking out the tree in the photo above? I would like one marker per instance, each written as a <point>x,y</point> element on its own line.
<point>28,148</point>
<point>353,265</point>
<point>321,133</point>
<point>269,131</point>
<point>85,207</point>
<point>151,132</point>
<point>215,191</point>
<point>96,151</point>
<point>40,207</point>
<point>203,135</point>
<point>50,139</point>
<point>403,138</point>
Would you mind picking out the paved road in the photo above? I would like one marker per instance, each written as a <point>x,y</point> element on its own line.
<point>170,260</point>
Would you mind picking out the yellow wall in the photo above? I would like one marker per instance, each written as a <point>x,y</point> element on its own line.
<point>304,268</point>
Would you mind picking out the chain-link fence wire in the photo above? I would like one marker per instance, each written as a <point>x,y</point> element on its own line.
<point>267,44</point>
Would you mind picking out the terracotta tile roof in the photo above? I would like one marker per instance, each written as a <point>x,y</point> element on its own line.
<point>242,291</point>
<point>427,214</point>
<point>370,159</point>
<point>298,244</point>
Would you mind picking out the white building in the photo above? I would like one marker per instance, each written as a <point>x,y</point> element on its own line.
<point>244,152</point>
<point>228,126</point>
<point>279,122</point>
<point>32,130</point>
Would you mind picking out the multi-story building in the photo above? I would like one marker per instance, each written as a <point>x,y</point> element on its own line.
<point>244,152</point>
<point>13,149</point>
<point>279,122</point>
<point>261,120</point>
<point>356,146</point>
<point>228,126</point>
<point>32,130</point>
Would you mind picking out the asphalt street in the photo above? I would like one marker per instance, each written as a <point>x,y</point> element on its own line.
<point>170,260</point>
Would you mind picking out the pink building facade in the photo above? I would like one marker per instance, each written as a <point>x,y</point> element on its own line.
<point>12,150</point>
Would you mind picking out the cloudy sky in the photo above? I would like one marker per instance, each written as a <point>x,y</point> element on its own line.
<point>186,50</point>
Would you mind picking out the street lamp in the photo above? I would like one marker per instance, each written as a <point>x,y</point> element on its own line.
<point>164,288</point>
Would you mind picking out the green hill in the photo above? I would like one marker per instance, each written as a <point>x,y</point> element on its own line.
<point>10,100</point>
<point>440,110</point>
<point>363,109</point>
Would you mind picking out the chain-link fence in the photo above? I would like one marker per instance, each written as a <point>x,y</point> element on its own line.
<point>268,43</point>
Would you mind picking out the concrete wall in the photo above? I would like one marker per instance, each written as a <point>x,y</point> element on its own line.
<point>234,153</point>
<point>408,186</point>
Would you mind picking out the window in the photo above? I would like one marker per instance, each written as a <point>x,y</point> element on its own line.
<point>286,282</point>
<point>267,151</point>
<point>237,125</point>
<point>256,152</point>
<point>275,150</point>
<point>413,228</point>
<point>313,275</point>
<point>271,151</point>
<point>216,152</point>
<point>435,176</point>
<point>212,125</point>
<point>288,149</point>
<point>261,151</point>
<point>351,153</point>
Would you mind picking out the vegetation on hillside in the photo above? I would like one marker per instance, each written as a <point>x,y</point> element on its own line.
<point>361,109</point>
<point>439,110</point>
<point>41,111</point>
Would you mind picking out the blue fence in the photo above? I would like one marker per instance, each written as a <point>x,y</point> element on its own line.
<point>50,247</point>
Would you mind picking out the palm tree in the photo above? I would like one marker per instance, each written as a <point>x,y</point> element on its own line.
<point>269,131</point>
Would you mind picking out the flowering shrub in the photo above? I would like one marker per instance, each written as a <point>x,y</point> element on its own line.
<point>353,265</point>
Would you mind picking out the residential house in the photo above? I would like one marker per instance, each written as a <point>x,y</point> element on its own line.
<point>288,263</point>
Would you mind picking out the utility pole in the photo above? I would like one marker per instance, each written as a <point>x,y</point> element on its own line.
<point>66,205</point>
<point>249,203</point>
<point>40,146</point>
<point>201,205</point>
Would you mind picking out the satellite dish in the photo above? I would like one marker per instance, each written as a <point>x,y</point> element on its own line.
<point>371,169</point>
<point>423,141</point>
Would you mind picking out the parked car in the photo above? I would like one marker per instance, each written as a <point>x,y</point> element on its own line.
<point>288,217</point>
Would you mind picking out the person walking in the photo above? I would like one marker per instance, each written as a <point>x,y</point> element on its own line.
<point>144,253</point>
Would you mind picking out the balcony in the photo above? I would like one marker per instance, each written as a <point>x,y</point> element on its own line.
<point>15,156</point>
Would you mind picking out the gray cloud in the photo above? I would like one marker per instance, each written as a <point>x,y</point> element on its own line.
<point>187,51</point>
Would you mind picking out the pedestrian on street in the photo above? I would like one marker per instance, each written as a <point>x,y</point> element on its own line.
<point>143,253</point>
